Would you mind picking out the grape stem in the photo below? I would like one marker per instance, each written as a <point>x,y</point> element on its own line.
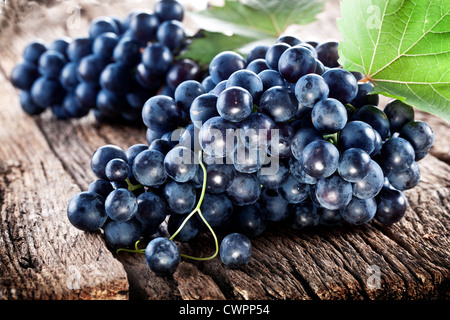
<point>131,187</point>
<point>197,210</point>
<point>333,138</point>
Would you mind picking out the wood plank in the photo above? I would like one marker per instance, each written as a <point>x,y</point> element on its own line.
<point>42,256</point>
<point>46,161</point>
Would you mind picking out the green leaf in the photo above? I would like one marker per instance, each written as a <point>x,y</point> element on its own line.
<point>204,48</point>
<point>238,23</point>
<point>260,17</point>
<point>402,46</point>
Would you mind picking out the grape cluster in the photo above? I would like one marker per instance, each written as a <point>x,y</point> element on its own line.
<point>284,135</point>
<point>113,70</point>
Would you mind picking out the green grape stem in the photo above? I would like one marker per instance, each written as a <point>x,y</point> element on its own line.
<point>132,187</point>
<point>197,210</point>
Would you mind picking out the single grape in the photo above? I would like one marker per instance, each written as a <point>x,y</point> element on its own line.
<point>247,80</point>
<point>296,62</point>
<point>279,103</point>
<point>182,70</point>
<point>86,211</point>
<point>162,256</point>
<point>406,179</point>
<point>122,234</point>
<point>310,89</point>
<point>357,134</point>
<point>216,209</point>
<point>333,192</point>
<point>419,134</point>
<point>127,52</point>
<point>203,108</point>
<point>186,92</point>
<point>293,190</point>
<point>248,160</point>
<point>68,76</point>
<point>329,116</point>
<point>102,25</point>
<point>274,53</point>
<point>180,197</point>
<point>28,105</point>
<point>270,78</point>
<point>180,165</point>
<point>397,154</point>
<point>342,84</point>
<point>359,211</point>
<point>169,10</point>
<point>101,187</point>
<point>327,53</point>
<point>244,190</point>
<point>371,184</point>
<point>171,34</point>
<point>330,217</point>
<point>219,177</point>
<point>46,92</point>
<point>148,168</point>
<point>152,209</point>
<point>33,51</point>
<point>117,170</point>
<point>319,159</point>
<point>234,103</point>
<point>399,114</point>
<point>217,137</point>
<point>23,75</point>
<point>143,27</point>
<point>161,145</point>
<point>258,65</point>
<point>304,215</point>
<point>257,52</point>
<point>224,64</point>
<point>161,113</point>
<point>290,40</point>
<point>256,130</point>
<point>250,220</point>
<point>79,48</point>
<point>116,77</point>
<point>391,206</point>
<point>235,250</point>
<point>104,44</point>
<point>121,205</point>
<point>354,164</point>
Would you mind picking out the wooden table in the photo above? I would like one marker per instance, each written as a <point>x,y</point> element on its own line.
<point>44,162</point>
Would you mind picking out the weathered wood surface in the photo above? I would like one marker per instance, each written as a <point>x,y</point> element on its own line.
<point>44,162</point>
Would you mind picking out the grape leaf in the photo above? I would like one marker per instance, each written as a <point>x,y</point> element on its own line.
<point>261,17</point>
<point>402,47</point>
<point>238,23</point>
<point>204,47</point>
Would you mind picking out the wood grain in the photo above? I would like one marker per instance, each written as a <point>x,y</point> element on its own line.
<point>44,161</point>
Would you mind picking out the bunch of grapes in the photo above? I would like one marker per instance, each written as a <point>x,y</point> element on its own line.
<point>285,135</point>
<point>112,71</point>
